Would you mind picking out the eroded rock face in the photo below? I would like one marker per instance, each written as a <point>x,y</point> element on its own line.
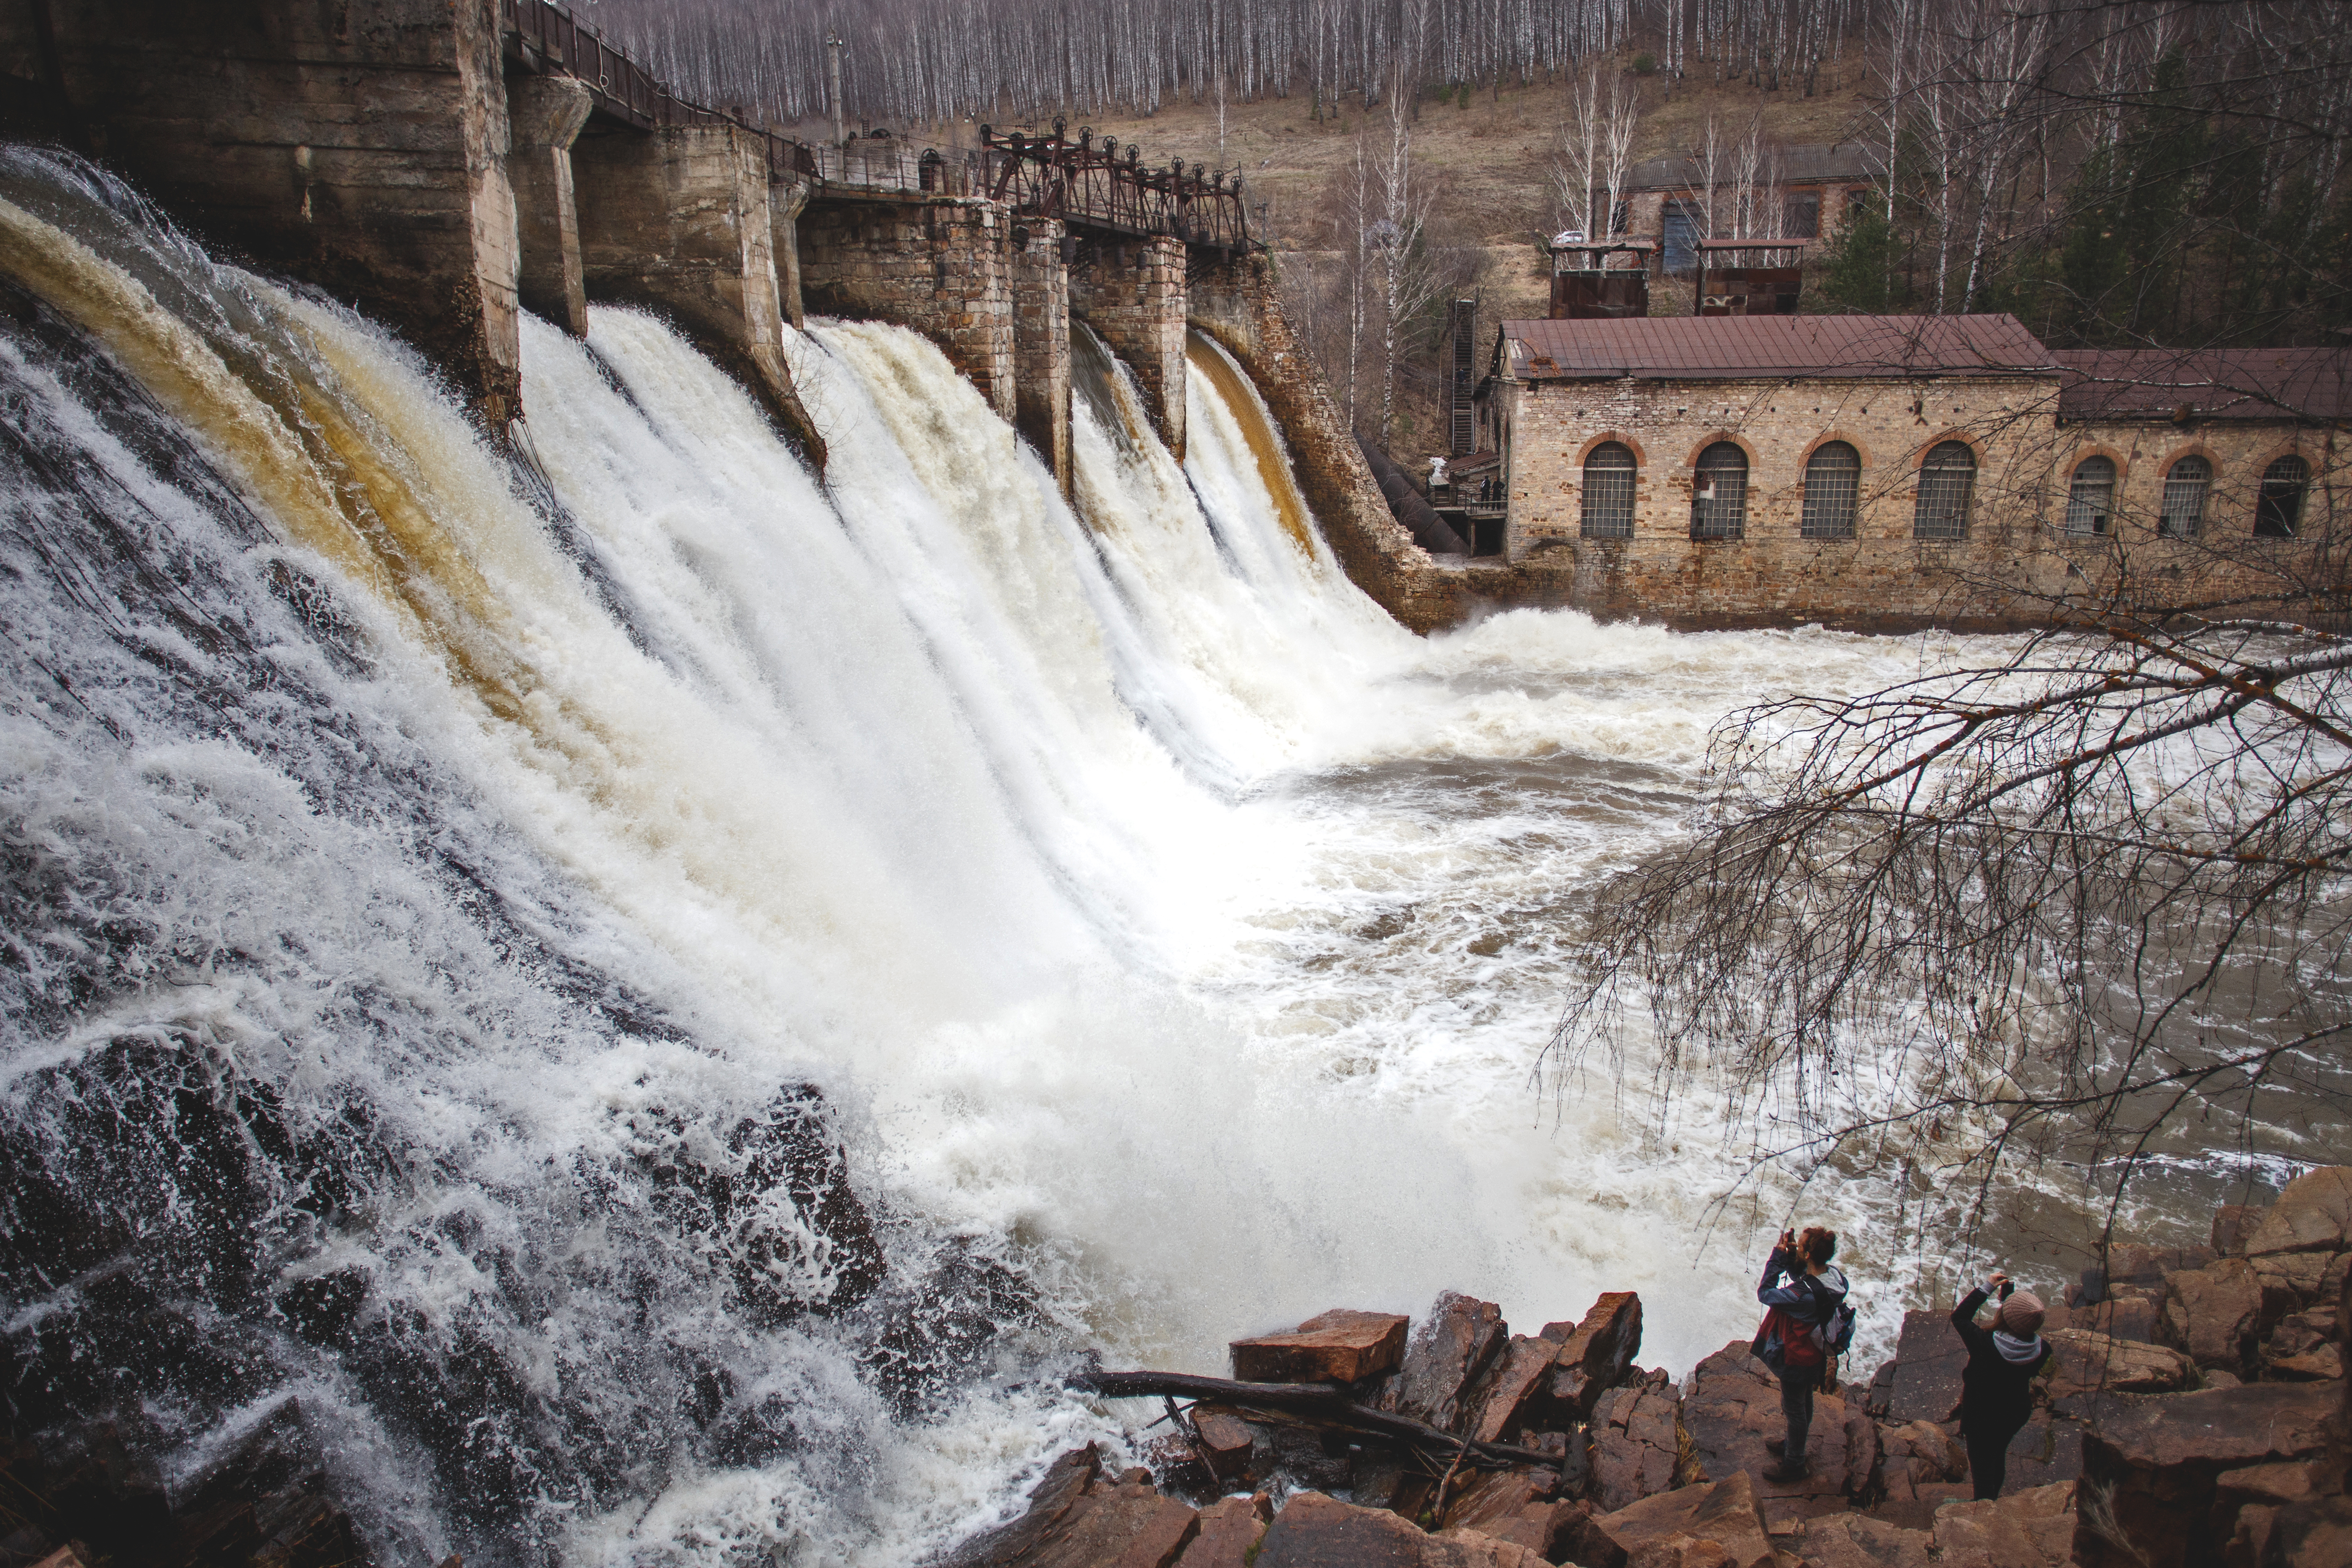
<point>1337,1346</point>
<point>1596,1354</point>
<point>2213,1314</point>
<point>1636,1446</point>
<point>1444,1359</point>
<point>1518,1392</point>
<point>2158,1462</point>
<point>1857,1541</point>
<point>1318,1532</point>
<point>2313,1215</point>
<point>2082,1363</point>
<point>1081,1516</point>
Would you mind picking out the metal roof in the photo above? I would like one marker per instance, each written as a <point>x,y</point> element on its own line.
<point>1793,166</point>
<point>1665,347</point>
<point>2211,384</point>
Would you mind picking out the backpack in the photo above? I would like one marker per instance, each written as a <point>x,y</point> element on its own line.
<point>1782,1342</point>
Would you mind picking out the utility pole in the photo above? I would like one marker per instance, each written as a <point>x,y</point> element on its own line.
<point>833,85</point>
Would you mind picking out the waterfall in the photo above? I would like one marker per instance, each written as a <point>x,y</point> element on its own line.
<point>666,1001</point>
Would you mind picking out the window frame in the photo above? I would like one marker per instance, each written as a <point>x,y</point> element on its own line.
<point>2078,508</point>
<point>2168,523</point>
<point>1931,506</point>
<point>1709,519</point>
<point>1631,469</point>
<point>2279,501</point>
<point>1814,519</point>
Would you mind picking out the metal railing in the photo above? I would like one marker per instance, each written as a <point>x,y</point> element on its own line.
<point>1084,182</point>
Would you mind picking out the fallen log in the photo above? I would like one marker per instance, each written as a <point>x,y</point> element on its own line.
<point>1321,1402</point>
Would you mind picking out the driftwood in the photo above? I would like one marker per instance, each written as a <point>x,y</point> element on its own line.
<point>1321,1403</point>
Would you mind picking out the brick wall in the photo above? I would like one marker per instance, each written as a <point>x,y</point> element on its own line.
<point>1041,345</point>
<point>1134,295</point>
<point>2012,553</point>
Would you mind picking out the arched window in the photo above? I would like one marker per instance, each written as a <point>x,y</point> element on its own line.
<point>1946,478</point>
<point>1720,493</point>
<point>2279,511</point>
<point>1832,480</point>
<point>2091,498</point>
<point>2185,487</point>
<point>1609,492</point>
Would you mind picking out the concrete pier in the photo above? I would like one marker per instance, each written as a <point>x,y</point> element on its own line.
<point>1133,292</point>
<point>1041,345</point>
<point>941,265</point>
<point>546,113</point>
<point>678,220</point>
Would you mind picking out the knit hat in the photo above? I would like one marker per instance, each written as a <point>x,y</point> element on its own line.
<point>2021,1314</point>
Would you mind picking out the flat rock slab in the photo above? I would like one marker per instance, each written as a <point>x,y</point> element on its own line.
<point>1313,1530</point>
<point>1857,1541</point>
<point>1446,1354</point>
<point>1229,1529</point>
<point>2082,1361</point>
<point>2313,1215</point>
<point>2163,1458</point>
<point>1337,1346</point>
<point>1734,1407</point>
<point>1929,1360</point>
<point>1516,1395</point>
<point>1724,1512</point>
<point>2032,1529</point>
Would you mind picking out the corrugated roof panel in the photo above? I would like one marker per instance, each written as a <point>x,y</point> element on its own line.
<point>1838,346</point>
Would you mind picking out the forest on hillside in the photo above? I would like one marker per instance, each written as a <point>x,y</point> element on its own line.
<point>2161,172</point>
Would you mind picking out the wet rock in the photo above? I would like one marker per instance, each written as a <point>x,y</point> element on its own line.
<point>771,1194</point>
<point>2081,1362</point>
<point>1858,1540</point>
<point>2233,1225</point>
<point>322,1308</point>
<point>1337,1346</point>
<point>939,1324</point>
<point>1636,1446</point>
<point>2313,1215</point>
<point>1228,1533</point>
<point>1880,1393</point>
<point>2031,1528</point>
<point>1733,1407</point>
<point>1929,1360</point>
<point>1080,1516</point>
<point>2213,1314</point>
<point>1225,1439</point>
<point>1516,1395</point>
<point>1596,1354</point>
<point>1722,1512</point>
<point>2152,1468</point>
<point>1443,1360</point>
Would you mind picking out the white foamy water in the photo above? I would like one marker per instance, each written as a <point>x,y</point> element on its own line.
<point>1160,920</point>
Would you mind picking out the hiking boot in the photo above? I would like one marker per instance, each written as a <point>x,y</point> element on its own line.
<point>1788,1470</point>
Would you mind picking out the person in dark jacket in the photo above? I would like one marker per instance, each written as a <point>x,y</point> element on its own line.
<point>1997,1387</point>
<point>1786,1343</point>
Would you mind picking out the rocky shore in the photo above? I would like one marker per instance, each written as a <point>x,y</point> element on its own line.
<point>2194,1413</point>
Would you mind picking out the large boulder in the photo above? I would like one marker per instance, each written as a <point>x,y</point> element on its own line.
<point>1313,1530</point>
<point>2214,1314</point>
<point>2303,1348</point>
<point>1733,1408</point>
<point>2082,1363</point>
<point>2233,1225</point>
<point>1081,1516</point>
<point>2313,1215</point>
<point>1724,1512</point>
<point>1337,1346</point>
<point>1596,1354</point>
<point>1636,1437</point>
<point>1929,1360</point>
<point>1518,1394</point>
<point>1445,1356</point>
<point>2129,1264</point>
<point>2131,1316</point>
<point>2031,1528</point>
<point>2154,1466</point>
<point>1513,1505</point>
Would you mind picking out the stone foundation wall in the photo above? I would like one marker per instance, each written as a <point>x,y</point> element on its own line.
<point>1040,346</point>
<point>546,113</point>
<point>941,265</point>
<point>1134,295</point>
<point>359,147</point>
<point>2013,556</point>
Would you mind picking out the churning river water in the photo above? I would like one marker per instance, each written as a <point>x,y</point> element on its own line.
<point>1169,933</point>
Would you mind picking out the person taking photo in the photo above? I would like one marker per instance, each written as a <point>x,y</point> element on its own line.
<point>1798,1334</point>
<point>1997,1387</point>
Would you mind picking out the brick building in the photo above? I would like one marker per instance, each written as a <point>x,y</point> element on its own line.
<point>1884,472</point>
<point>1808,191</point>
